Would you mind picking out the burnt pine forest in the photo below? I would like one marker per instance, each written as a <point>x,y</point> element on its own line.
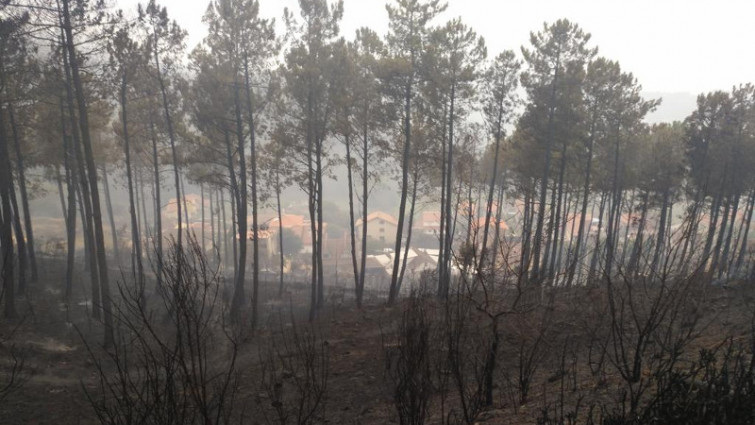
<point>290,224</point>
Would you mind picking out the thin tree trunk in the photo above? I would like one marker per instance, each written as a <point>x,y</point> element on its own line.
<point>239,299</point>
<point>546,174</point>
<point>174,153</point>
<point>497,234</point>
<point>583,213</point>
<point>21,170</point>
<point>448,245</point>
<point>630,216</point>
<point>253,164</point>
<point>311,203</point>
<point>614,212</point>
<point>660,240</point>
<point>570,250</point>
<point>393,293</point>
<point>158,233</point>
<point>637,247</point>
<point>109,206</point>
<point>86,226</point>
<point>714,208</point>
<point>82,187</point>
<point>526,233</point>
<point>225,229</point>
<point>470,212</point>
<point>721,236</point>
<point>320,227</point>
<point>280,229</point>
<point>724,261</point>
<point>96,212</point>
<point>212,221</point>
<point>61,192</point>
<point>557,215</point>
<point>490,361</point>
<point>365,196</point>
<point>20,239</point>
<point>596,249</point>
<point>409,229</point>
<point>559,252</point>
<point>69,161</point>
<point>491,189</point>
<point>442,293</point>
<point>219,239</point>
<point>147,233</point>
<point>135,236</point>
<point>6,245</point>
<point>352,224</point>
<point>186,208</point>
<point>141,217</point>
<point>748,221</point>
<point>201,202</point>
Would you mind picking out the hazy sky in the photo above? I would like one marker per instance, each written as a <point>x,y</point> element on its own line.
<point>688,46</point>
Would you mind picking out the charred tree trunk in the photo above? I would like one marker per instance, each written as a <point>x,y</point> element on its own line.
<point>69,161</point>
<point>226,251</point>
<point>352,223</point>
<point>312,202</point>
<point>748,221</point>
<point>173,151</point>
<point>538,237</point>
<point>660,239</point>
<point>714,209</point>
<point>724,260</point>
<point>614,212</point>
<point>409,229</point>
<point>583,212</point>
<point>96,212</point>
<point>109,208</point>
<point>490,363</point>
<point>497,235</point>
<point>491,188</point>
<point>141,202</point>
<point>442,293</point>
<point>637,247</point>
<point>82,188</point>
<point>158,233</point>
<point>630,217</point>
<point>253,164</point>
<point>597,249</point>
<point>320,228</point>
<point>365,196</point>
<point>721,236</point>
<point>135,235</point>
<point>6,230</point>
<point>280,230</point>
<point>557,239</point>
<point>59,178</point>
<point>393,293</point>
<point>21,170</point>
<point>529,219</point>
<point>213,247</point>
<point>239,299</point>
<point>449,227</point>
<point>201,203</point>
<point>20,240</point>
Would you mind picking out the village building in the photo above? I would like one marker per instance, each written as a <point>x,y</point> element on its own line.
<point>381,227</point>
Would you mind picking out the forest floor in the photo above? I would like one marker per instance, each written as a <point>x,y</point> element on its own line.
<point>58,371</point>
